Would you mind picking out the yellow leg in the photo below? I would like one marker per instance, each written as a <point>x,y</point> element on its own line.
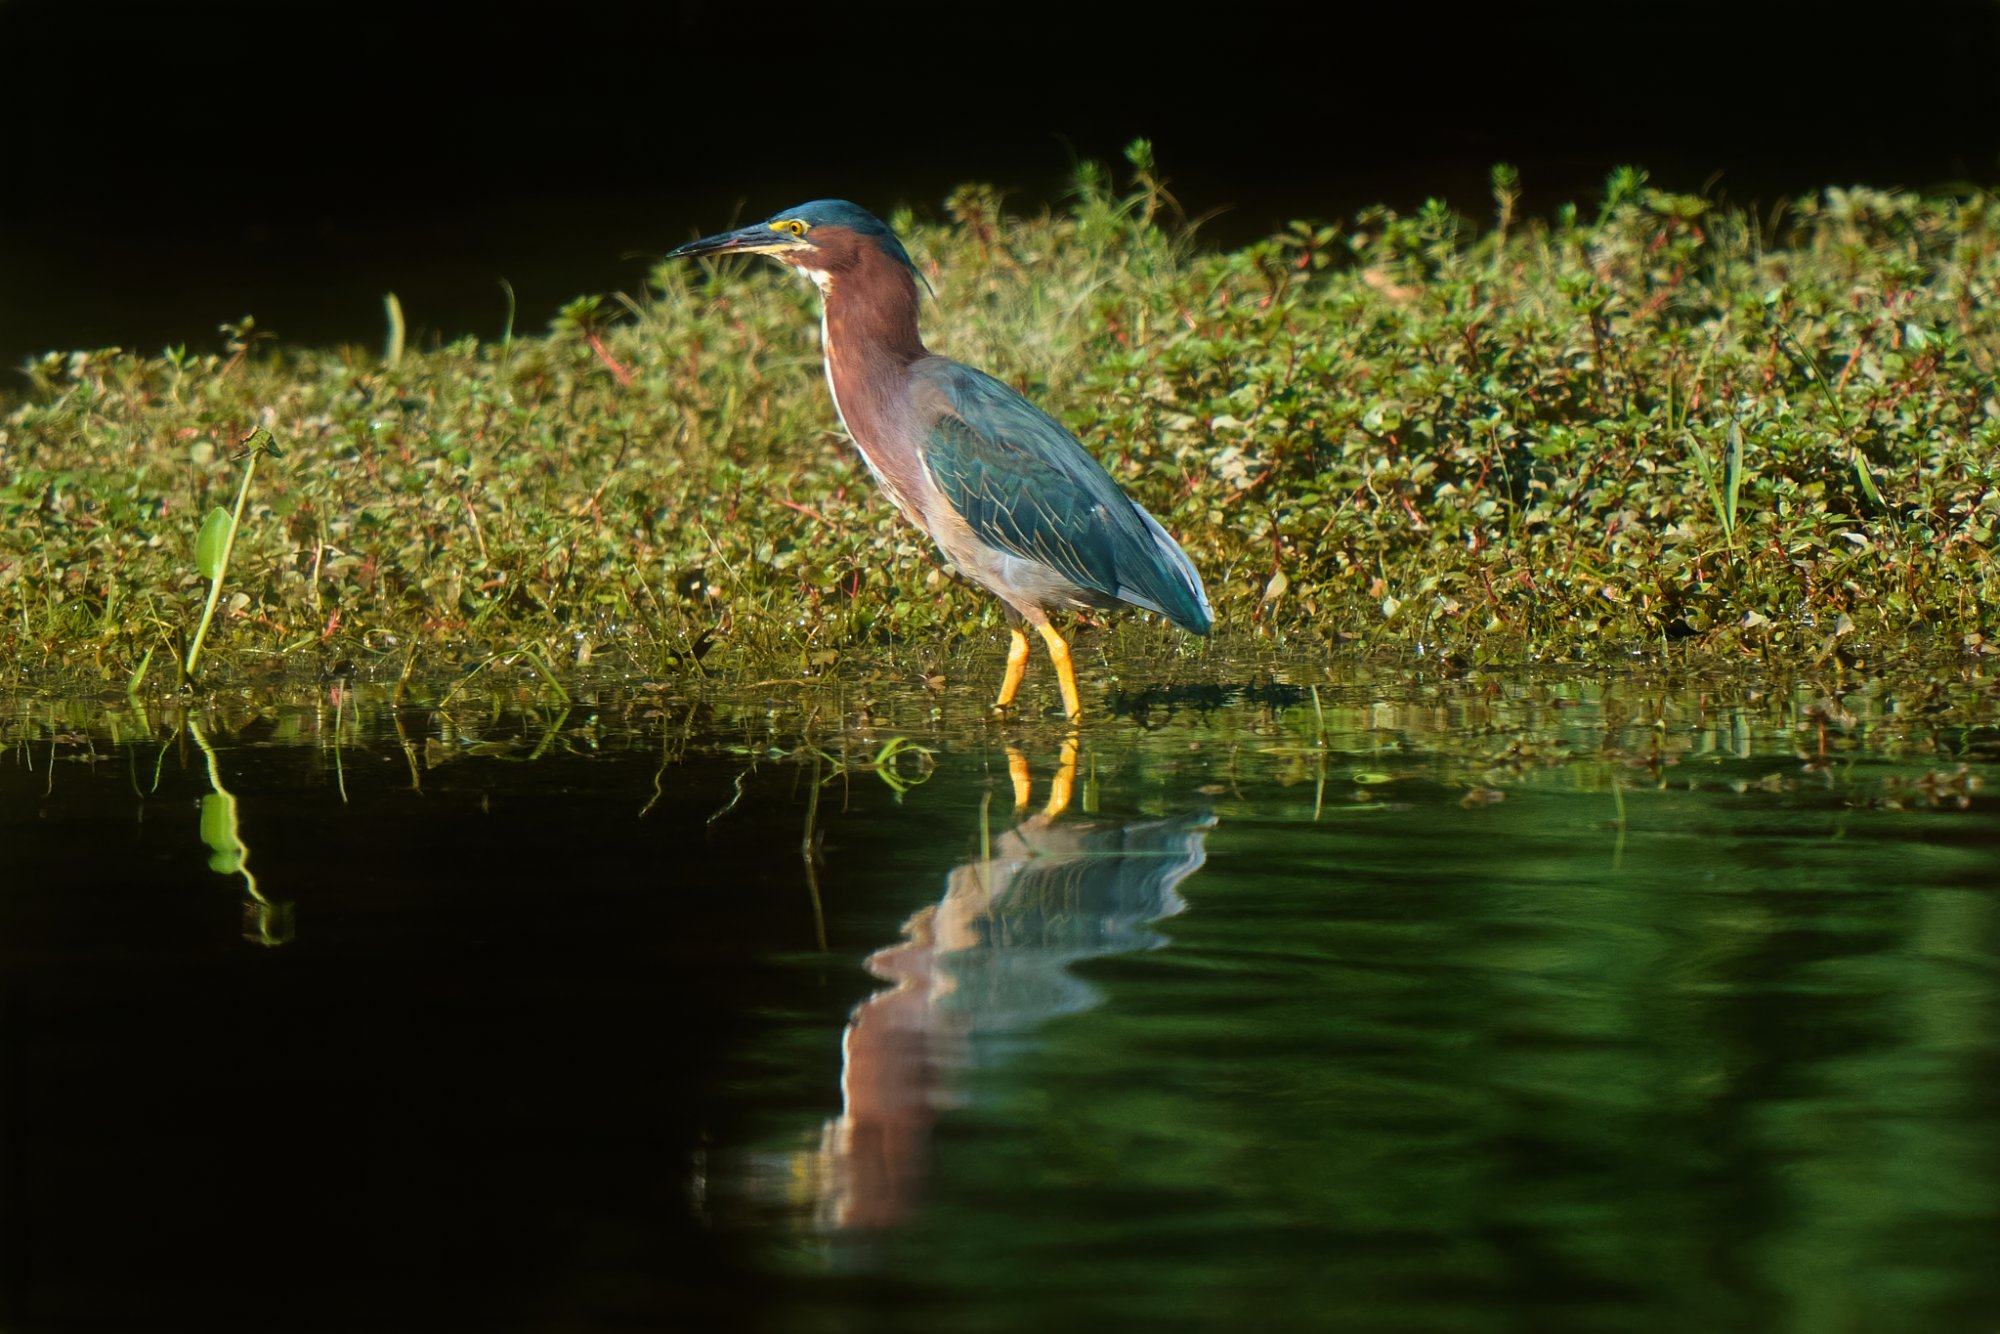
<point>1017,667</point>
<point>1065,672</point>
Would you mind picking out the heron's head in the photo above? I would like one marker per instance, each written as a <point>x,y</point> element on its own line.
<point>823,238</point>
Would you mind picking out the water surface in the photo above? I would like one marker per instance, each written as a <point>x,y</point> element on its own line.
<point>1352,1001</point>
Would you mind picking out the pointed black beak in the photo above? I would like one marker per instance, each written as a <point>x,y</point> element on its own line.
<point>757,239</point>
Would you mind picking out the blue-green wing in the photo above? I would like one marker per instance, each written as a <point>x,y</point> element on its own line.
<point>1024,484</point>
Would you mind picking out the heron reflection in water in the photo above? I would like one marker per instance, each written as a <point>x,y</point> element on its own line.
<point>985,965</point>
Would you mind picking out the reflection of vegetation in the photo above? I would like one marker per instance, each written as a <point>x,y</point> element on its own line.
<point>523,652</point>
<point>1363,744</point>
<point>265,922</point>
<point>1358,738</point>
<point>899,763</point>
<point>902,764</point>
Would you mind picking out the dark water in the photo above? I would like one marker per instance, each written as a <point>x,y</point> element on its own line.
<point>1473,1005</point>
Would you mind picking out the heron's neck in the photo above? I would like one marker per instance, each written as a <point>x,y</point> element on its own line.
<point>871,312</point>
<point>869,335</point>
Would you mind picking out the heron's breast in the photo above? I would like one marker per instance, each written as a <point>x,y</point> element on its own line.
<point>873,410</point>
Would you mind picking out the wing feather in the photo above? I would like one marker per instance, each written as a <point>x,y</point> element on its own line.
<point>1024,484</point>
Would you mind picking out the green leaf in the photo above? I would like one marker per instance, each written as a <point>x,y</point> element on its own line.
<point>1382,418</point>
<point>1864,475</point>
<point>208,547</point>
<point>1735,477</point>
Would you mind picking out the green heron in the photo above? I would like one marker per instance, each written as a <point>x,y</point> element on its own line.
<point>1012,499</point>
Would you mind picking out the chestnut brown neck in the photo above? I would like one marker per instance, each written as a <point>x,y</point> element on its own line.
<point>869,335</point>
<point>871,309</point>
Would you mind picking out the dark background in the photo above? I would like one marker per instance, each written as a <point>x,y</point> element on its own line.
<point>166,167</point>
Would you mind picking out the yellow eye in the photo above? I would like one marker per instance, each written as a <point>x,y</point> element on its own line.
<point>793,225</point>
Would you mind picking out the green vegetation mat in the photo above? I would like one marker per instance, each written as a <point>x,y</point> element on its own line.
<point>1649,428</point>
